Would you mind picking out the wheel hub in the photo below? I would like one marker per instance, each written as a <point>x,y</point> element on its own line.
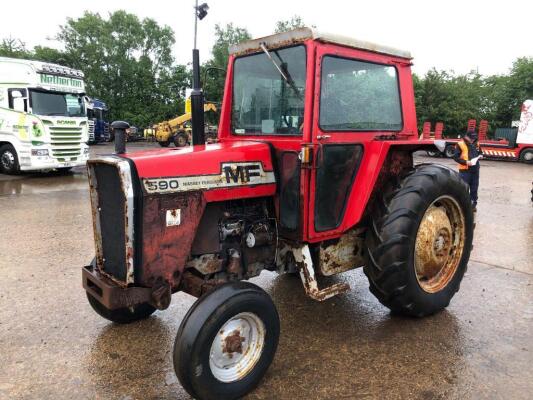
<point>439,244</point>
<point>237,347</point>
<point>8,160</point>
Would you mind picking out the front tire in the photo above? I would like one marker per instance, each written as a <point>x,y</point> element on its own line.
<point>121,315</point>
<point>526,156</point>
<point>9,161</point>
<point>164,144</point>
<point>420,241</point>
<point>226,342</point>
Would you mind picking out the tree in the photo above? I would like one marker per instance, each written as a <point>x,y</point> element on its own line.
<point>286,25</point>
<point>224,38</point>
<point>128,63</point>
<point>15,48</point>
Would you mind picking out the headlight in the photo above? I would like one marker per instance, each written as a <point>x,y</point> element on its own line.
<point>39,152</point>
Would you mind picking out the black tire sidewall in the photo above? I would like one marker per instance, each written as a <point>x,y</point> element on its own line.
<point>449,150</point>
<point>523,156</point>
<point>16,167</point>
<point>196,335</point>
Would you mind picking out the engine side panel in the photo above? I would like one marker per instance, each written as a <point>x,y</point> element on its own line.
<point>169,227</point>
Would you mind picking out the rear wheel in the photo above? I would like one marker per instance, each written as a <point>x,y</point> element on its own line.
<point>420,241</point>
<point>226,342</point>
<point>449,150</point>
<point>181,140</point>
<point>526,156</point>
<point>121,315</point>
<point>9,162</point>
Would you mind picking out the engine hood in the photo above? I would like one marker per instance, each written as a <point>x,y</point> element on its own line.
<point>219,169</point>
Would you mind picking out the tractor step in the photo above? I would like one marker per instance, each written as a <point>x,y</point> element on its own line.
<point>304,263</point>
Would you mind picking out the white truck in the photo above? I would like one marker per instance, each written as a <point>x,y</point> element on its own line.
<point>43,120</point>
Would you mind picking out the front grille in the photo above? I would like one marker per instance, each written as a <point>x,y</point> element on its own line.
<point>66,142</point>
<point>112,206</point>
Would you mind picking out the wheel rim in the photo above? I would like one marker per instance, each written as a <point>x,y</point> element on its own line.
<point>181,141</point>
<point>8,160</point>
<point>237,347</point>
<point>439,244</point>
<point>528,156</point>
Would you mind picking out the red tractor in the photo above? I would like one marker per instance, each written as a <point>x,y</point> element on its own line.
<point>313,174</point>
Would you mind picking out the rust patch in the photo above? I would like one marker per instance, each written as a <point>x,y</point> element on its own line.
<point>165,250</point>
<point>234,264</point>
<point>233,343</point>
<point>206,264</point>
<point>343,255</point>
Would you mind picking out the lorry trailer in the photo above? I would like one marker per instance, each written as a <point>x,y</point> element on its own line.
<point>43,121</point>
<point>514,144</point>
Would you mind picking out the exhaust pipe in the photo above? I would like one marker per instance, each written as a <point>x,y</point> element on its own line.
<point>119,129</point>
<point>197,102</point>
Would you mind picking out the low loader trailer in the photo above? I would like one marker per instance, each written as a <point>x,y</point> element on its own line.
<point>312,175</point>
<point>512,144</point>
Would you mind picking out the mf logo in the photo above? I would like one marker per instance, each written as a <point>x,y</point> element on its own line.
<point>241,173</point>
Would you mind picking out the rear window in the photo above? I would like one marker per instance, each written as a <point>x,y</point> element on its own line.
<point>359,96</point>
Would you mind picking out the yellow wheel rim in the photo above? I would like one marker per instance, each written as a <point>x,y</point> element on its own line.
<point>439,244</point>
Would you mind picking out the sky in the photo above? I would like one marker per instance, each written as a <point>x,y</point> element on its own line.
<point>458,35</point>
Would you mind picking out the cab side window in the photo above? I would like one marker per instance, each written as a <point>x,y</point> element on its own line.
<point>359,96</point>
<point>18,99</point>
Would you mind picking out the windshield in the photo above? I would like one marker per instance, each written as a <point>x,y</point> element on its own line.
<point>264,102</point>
<point>57,104</point>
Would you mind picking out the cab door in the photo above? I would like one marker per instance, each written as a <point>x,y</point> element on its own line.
<point>356,97</point>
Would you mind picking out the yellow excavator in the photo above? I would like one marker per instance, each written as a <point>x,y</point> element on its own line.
<point>177,130</point>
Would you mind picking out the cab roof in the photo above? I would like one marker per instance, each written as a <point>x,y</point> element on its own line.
<point>301,34</point>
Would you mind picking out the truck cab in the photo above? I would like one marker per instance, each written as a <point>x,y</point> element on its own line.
<point>43,122</point>
<point>312,174</point>
<point>98,121</point>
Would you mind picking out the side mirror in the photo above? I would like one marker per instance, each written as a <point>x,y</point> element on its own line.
<point>16,94</point>
<point>19,104</point>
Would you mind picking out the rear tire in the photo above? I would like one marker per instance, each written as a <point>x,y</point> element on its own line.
<point>9,161</point>
<point>121,315</point>
<point>449,151</point>
<point>420,241</point>
<point>526,156</point>
<point>226,342</point>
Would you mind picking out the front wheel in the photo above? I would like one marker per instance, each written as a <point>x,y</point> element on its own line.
<point>9,162</point>
<point>419,244</point>
<point>121,315</point>
<point>226,342</point>
<point>165,143</point>
<point>527,156</point>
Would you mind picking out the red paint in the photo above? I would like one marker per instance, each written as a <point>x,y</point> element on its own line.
<point>207,159</point>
